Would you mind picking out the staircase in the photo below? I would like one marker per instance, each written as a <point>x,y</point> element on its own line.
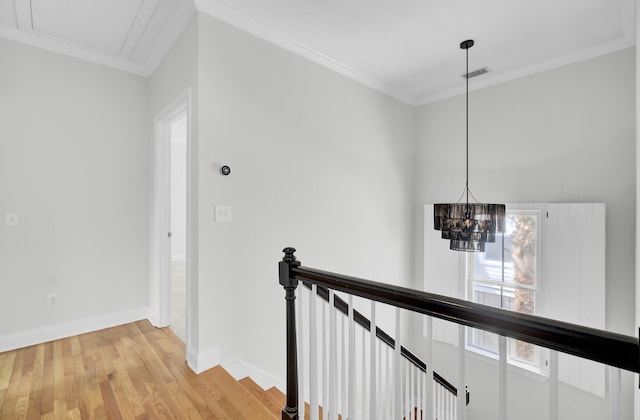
<point>272,399</point>
<point>243,399</point>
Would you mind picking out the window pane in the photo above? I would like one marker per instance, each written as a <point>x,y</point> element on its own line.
<point>488,265</point>
<point>523,246</point>
<point>524,301</point>
<point>524,352</point>
<point>484,340</point>
<point>487,294</point>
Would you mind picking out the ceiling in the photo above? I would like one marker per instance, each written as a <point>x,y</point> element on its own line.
<point>408,49</point>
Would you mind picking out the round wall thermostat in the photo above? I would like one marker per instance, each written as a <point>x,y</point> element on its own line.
<point>225,170</point>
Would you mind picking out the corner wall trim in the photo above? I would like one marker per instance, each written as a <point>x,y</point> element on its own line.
<point>40,335</point>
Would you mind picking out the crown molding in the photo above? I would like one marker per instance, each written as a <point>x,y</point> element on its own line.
<point>51,44</point>
<point>586,54</point>
<point>228,14</point>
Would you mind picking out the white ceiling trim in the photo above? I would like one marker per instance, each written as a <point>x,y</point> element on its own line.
<point>158,41</point>
<point>181,16</point>
<point>570,59</point>
<point>23,15</point>
<point>147,8</point>
<point>232,16</point>
<point>80,52</point>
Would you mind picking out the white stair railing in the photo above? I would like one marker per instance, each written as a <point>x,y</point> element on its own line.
<point>347,372</point>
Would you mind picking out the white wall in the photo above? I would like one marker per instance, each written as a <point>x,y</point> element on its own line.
<point>318,162</point>
<point>74,164</point>
<point>565,135</point>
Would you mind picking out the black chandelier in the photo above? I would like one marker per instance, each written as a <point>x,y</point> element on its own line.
<point>468,226</point>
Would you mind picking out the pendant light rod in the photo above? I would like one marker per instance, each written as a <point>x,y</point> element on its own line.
<point>465,45</point>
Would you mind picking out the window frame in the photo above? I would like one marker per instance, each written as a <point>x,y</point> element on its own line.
<point>540,367</point>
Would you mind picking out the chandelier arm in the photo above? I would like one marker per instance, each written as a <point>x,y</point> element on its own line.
<point>473,196</point>
<point>462,195</point>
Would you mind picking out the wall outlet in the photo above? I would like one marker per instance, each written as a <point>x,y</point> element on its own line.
<point>223,213</point>
<point>52,300</point>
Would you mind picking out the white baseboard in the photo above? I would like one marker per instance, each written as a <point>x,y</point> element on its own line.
<point>55,332</point>
<point>266,380</point>
<point>199,362</point>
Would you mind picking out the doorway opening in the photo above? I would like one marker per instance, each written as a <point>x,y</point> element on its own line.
<point>172,239</point>
<point>178,224</point>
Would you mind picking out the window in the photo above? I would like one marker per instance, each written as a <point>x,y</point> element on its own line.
<point>568,285</point>
<point>506,276</point>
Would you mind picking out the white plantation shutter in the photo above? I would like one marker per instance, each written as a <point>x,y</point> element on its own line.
<point>573,285</point>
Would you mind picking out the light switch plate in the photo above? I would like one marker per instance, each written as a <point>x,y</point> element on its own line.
<point>223,213</point>
<point>11,219</point>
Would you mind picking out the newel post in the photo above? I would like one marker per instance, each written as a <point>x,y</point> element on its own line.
<point>289,282</point>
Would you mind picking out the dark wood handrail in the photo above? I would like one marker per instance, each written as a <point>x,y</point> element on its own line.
<point>601,346</point>
<point>606,347</point>
<point>365,323</point>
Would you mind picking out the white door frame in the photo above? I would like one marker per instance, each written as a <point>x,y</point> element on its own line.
<point>160,290</point>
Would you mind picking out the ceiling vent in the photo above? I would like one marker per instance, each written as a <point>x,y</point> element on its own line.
<point>476,73</point>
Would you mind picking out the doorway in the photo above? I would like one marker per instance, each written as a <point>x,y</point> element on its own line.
<point>171,222</point>
<point>178,223</point>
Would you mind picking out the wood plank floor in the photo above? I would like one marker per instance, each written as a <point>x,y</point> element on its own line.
<point>133,371</point>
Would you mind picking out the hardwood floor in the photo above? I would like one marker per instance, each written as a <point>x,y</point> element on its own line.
<point>133,371</point>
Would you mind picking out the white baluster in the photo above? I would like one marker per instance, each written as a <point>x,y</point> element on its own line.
<point>343,369</point>
<point>425,388</point>
<point>372,364</point>
<point>379,382</point>
<point>333,373</point>
<point>412,392</point>
<point>313,355</point>
<point>439,404</point>
<point>614,395</point>
<point>502,379</point>
<point>444,403</point>
<point>447,404</point>
<point>553,385</point>
<point>325,364</point>
<point>365,401</point>
<point>407,389</point>
<point>461,400</point>
<point>388,395</point>
<point>397,401</point>
<point>452,405</point>
<point>351,401</point>
<point>420,391</point>
<point>430,413</point>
